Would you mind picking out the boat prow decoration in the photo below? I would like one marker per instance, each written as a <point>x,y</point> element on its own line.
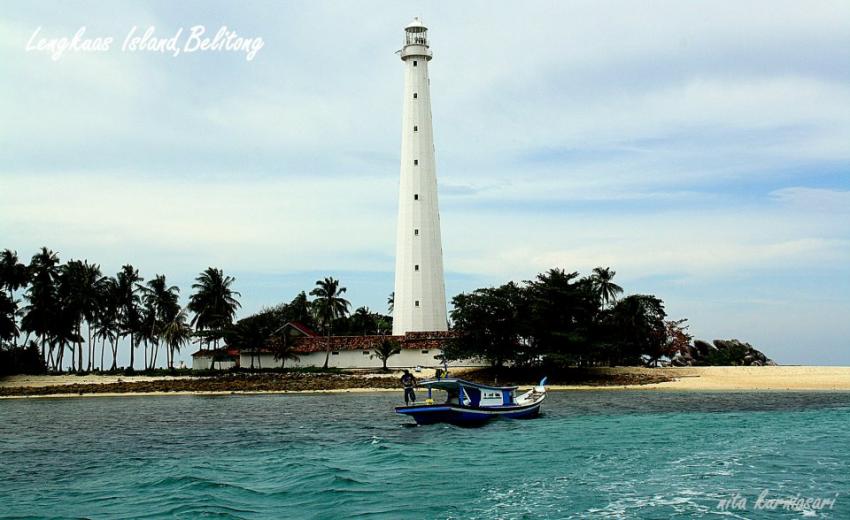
<point>473,403</point>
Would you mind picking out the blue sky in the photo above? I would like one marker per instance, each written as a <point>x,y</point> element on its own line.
<point>701,150</point>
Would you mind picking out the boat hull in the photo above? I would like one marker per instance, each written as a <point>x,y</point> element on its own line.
<point>462,415</point>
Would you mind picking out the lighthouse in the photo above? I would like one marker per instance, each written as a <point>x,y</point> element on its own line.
<point>420,293</point>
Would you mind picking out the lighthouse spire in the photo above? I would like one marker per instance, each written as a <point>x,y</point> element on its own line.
<point>420,293</point>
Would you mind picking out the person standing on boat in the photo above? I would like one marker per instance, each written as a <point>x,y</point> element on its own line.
<point>408,381</point>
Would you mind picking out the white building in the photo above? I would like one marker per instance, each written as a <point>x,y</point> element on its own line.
<point>417,349</point>
<point>420,293</point>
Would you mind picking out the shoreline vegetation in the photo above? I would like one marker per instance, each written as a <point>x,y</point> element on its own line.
<point>72,316</point>
<point>770,378</point>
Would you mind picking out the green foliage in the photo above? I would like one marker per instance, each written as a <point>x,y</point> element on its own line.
<point>213,302</point>
<point>559,319</point>
<point>490,323</point>
<point>21,360</point>
<point>386,349</point>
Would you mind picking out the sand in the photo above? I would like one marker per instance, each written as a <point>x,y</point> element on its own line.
<point>774,378</point>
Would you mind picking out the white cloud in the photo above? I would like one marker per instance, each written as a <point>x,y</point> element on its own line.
<point>664,140</point>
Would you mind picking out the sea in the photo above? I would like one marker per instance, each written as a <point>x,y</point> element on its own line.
<point>591,454</point>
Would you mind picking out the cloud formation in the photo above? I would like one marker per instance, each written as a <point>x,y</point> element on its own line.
<point>700,151</point>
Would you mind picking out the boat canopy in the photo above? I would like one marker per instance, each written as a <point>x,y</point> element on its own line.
<point>450,383</point>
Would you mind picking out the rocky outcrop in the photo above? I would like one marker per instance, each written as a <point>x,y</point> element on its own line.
<point>722,352</point>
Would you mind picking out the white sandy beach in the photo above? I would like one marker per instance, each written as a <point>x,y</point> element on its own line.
<point>773,378</point>
<point>770,378</point>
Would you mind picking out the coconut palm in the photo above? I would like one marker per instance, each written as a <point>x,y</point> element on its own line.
<point>385,350</point>
<point>603,281</point>
<point>248,335</point>
<point>109,318</point>
<point>80,296</point>
<point>176,333</point>
<point>71,308</point>
<point>40,314</point>
<point>214,303</point>
<point>363,320</point>
<point>8,324</point>
<point>129,305</point>
<point>329,305</point>
<point>283,349</point>
<point>13,274</point>
<point>161,306</point>
<point>391,302</point>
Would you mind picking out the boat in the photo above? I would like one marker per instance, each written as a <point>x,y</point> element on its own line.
<point>469,403</point>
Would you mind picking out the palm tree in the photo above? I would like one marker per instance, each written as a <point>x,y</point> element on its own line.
<point>329,305</point>
<point>40,314</point>
<point>300,309</point>
<point>8,324</point>
<point>391,302</point>
<point>127,293</point>
<point>282,349</point>
<point>80,294</point>
<point>13,274</point>
<point>363,319</point>
<point>109,318</point>
<point>386,349</point>
<point>160,300</point>
<point>175,334</point>
<point>602,279</point>
<point>71,308</point>
<point>248,335</point>
<point>213,302</point>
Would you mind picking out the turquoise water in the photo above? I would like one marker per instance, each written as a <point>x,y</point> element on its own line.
<point>591,455</point>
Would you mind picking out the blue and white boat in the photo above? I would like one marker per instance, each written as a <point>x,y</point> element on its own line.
<point>470,403</point>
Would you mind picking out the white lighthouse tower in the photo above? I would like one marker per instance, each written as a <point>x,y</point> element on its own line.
<point>420,293</point>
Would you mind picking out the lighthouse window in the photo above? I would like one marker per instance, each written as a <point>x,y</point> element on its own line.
<point>414,63</point>
<point>416,303</point>
<point>416,232</point>
<point>414,95</point>
<point>416,267</point>
<point>415,162</point>
<point>415,196</point>
<point>415,128</point>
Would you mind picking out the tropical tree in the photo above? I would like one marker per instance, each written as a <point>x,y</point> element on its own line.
<point>391,302</point>
<point>41,312</point>
<point>70,313</point>
<point>214,303</point>
<point>80,297</point>
<point>161,304</point>
<point>129,305</point>
<point>490,324</point>
<point>603,282</point>
<point>561,310</point>
<point>175,334</point>
<point>8,322</point>
<point>13,274</point>
<point>300,309</point>
<point>386,349</point>
<point>108,321</point>
<point>363,321</point>
<point>329,305</point>
<point>282,348</point>
<point>637,326</point>
<point>249,334</point>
